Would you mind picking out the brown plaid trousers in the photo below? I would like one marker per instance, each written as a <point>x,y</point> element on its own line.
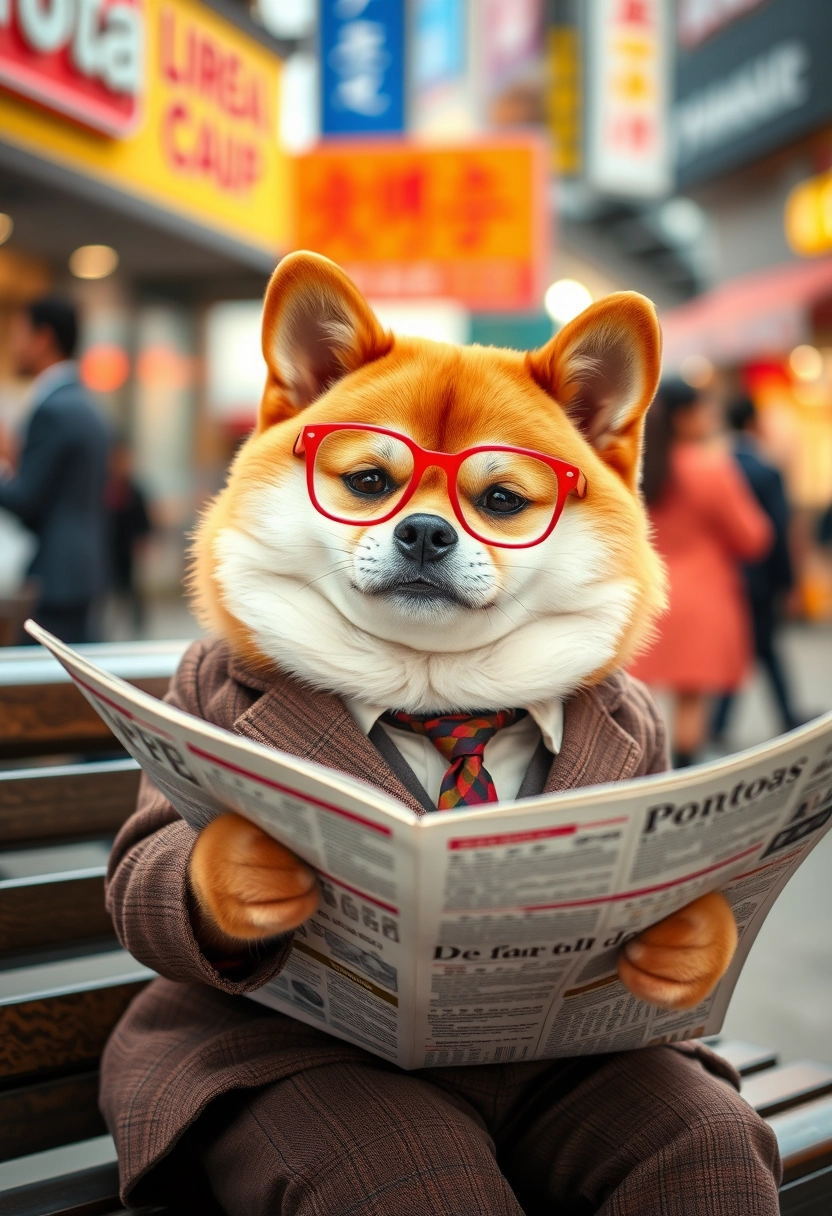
<point>200,1085</point>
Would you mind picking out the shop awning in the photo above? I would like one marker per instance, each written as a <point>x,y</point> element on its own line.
<point>766,313</point>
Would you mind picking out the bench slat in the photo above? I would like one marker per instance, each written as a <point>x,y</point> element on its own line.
<point>48,1114</point>
<point>38,916</point>
<point>63,1031</point>
<point>808,1196</point>
<point>804,1137</point>
<point>67,801</point>
<point>777,1089</point>
<point>36,719</point>
<point>91,1192</point>
<point>747,1058</point>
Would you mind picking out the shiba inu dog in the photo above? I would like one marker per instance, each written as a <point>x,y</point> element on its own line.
<point>436,529</point>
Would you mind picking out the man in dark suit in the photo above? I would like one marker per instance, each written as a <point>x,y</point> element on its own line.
<point>771,578</point>
<point>57,490</point>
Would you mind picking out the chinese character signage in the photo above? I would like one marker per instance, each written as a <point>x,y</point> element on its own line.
<point>464,222</point>
<point>362,66</point>
<point>627,95</point>
<point>195,136</point>
<point>84,61</point>
<point>565,98</point>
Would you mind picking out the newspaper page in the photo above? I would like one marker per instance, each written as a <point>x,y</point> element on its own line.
<point>490,934</point>
<point>351,969</point>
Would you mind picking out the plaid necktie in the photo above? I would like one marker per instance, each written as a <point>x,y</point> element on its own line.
<point>461,739</point>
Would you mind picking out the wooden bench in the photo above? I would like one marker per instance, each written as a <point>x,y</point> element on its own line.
<point>43,714</point>
<point>64,982</point>
<point>796,1101</point>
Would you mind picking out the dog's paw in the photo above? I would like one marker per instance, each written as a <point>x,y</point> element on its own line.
<point>677,962</point>
<point>247,884</point>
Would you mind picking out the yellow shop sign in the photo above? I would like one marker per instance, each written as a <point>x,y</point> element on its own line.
<point>204,139</point>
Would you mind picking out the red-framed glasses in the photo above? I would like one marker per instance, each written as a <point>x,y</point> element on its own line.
<point>502,495</point>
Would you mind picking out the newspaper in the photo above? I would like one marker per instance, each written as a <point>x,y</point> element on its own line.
<point>490,934</point>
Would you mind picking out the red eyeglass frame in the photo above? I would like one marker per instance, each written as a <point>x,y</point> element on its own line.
<point>312,436</point>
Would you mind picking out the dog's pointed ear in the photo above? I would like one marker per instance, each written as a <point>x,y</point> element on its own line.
<point>317,327</point>
<point>603,370</point>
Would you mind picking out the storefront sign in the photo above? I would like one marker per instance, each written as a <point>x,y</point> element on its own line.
<point>204,138</point>
<point>698,19</point>
<point>627,97</point>
<point>753,87</point>
<point>362,66</point>
<point>83,60</point>
<point>565,99</point>
<point>440,100</point>
<point>512,67</point>
<point>465,222</point>
<point>439,37</point>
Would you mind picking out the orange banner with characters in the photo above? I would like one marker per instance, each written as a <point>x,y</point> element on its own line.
<point>204,142</point>
<point>467,222</point>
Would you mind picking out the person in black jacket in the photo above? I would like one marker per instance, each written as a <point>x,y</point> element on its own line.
<point>770,579</point>
<point>57,490</point>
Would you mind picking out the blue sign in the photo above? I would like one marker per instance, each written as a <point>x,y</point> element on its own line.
<point>362,66</point>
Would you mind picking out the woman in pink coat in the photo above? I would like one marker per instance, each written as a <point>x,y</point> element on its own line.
<point>706,523</point>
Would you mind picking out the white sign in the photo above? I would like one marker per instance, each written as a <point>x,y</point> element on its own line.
<point>628,149</point>
<point>236,369</point>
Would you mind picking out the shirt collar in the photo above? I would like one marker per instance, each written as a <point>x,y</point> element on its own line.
<point>53,377</point>
<point>548,715</point>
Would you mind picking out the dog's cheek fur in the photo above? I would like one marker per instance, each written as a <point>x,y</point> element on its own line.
<point>280,573</point>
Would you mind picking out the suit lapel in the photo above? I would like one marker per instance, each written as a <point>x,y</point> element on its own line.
<point>595,748</point>
<point>317,726</point>
<point>313,726</point>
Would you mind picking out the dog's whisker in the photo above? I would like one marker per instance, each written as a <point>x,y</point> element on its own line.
<point>332,570</point>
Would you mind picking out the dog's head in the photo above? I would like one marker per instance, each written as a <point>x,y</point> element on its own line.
<point>387,567</point>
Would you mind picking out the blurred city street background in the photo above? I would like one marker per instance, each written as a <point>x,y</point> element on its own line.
<point>484,169</point>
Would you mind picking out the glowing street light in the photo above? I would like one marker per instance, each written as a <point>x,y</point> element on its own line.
<point>565,299</point>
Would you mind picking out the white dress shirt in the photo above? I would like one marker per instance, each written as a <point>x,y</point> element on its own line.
<point>507,753</point>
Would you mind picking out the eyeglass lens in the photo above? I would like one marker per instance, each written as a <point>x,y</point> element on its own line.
<point>506,497</point>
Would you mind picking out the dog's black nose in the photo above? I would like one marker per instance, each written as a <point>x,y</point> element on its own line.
<point>425,538</point>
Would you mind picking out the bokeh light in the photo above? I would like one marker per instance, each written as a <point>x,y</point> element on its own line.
<point>566,299</point>
<point>6,227</point>
<point>697,371</point>
<point>93,261</point>
<point>104,368</point>
<point>806,362</point>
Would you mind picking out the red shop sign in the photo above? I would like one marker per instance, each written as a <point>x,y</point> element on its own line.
<point>81,58</point>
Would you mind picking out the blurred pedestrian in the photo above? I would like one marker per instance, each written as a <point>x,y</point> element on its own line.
<point>706,522</point>
<point>129,526</point>
<point>824,529</point>
<point>57,486</point>
<point>770,579</point>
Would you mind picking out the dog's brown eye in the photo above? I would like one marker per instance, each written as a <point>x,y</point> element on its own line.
<point>370,482</point>
<point>500,501</point>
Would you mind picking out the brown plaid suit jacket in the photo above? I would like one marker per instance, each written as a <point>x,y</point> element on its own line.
<point>190,1037</point>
